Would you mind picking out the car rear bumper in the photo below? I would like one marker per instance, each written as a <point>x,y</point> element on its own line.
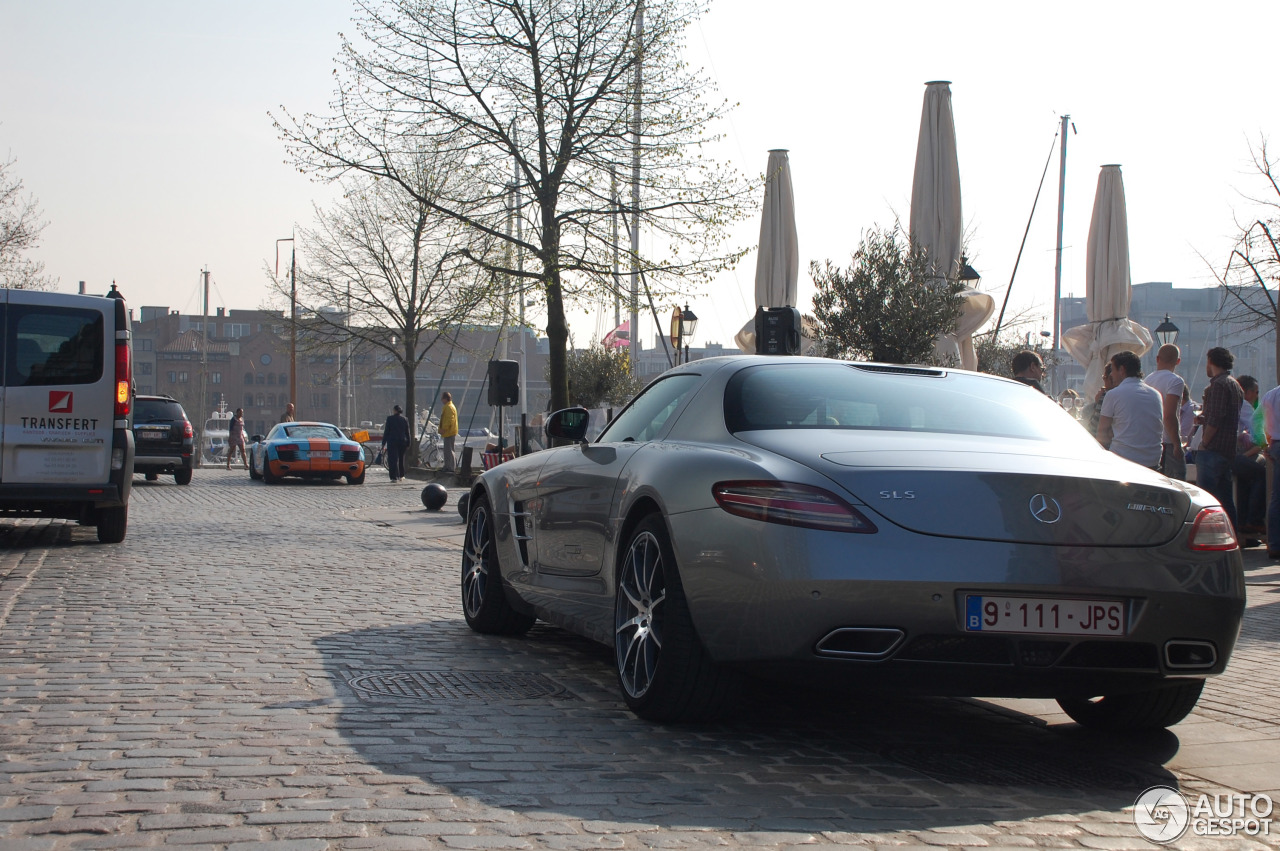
<point>68,502</point>
<point>160,463</point>
<point>891,606</point>
<point>318,467</point>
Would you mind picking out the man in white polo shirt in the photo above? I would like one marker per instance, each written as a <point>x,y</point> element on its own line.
<point>1171,386</point>
<point>1132,419</point>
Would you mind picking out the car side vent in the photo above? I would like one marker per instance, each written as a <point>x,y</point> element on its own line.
<point>971,649</point>
<point>900,370</point>
<point>520,520</point>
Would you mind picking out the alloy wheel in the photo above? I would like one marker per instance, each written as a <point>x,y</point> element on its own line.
<point>638,614</point>
<point>475,577</point>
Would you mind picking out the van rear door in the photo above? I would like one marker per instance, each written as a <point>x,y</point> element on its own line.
<point>59,389</point>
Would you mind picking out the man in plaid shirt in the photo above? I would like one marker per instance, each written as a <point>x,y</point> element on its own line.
<point>1219,420</point>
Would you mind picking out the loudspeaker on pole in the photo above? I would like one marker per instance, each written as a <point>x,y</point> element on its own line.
<point>504,383</point>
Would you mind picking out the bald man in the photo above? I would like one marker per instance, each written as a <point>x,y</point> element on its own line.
<point>1173,462</point>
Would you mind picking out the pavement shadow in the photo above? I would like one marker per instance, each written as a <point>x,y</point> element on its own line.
<point>535,724</point>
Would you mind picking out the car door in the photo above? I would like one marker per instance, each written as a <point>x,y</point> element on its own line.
<point>58,399</point>
<point>578,488</point>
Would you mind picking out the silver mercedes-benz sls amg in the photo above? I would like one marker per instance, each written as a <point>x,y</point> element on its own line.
<point>858,525</point>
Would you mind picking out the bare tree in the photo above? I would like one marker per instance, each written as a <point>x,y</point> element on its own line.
<point>384,271</point>
<point>543,96</point>
<point>20,228</point>
<point>1250,278</point>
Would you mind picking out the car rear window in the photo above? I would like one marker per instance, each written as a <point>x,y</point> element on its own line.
<point>316,431</point>
<point>157,409</point>
<point>844,396</point>
<point>52,346</point>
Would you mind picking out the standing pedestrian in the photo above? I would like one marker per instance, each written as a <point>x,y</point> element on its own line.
<point>1029,369</point>
<point>1094,411</point>
<point>1173,462</point>
<point>395,441</point>
<point>1130,422</point>
<point>1219,426</point>
<point>1250,472</point>
<point>448,430</point>
<point>235,438</point>
<point>1270,405</point>
<point>287,416</point>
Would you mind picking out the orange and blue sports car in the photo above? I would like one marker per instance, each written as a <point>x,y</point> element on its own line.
<point>306,450</point>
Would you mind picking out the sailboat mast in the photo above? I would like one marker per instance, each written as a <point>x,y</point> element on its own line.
<point>204,348</point>
<point>1057,271</point>
<point>635,192</point>
<point>617,281</point>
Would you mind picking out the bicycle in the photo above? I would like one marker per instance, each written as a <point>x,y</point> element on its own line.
<point>373,455</point>
<point>431,450</point>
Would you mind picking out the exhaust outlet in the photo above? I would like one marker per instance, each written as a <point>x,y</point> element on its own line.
<point>860,642</point>
<point>1183,655</point>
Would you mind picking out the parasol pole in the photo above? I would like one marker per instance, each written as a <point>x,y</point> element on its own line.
<point>1057,269</point>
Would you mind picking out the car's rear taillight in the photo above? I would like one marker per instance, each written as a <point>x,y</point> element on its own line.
<point>791,505</point>
<point>187,430</point>
<point>124,377</point>
<point>1212,531</point>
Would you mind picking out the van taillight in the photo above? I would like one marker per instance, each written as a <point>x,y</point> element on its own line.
<point>124,378</point>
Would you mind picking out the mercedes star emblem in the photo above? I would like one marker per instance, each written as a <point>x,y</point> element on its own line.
<point>1045,509</point>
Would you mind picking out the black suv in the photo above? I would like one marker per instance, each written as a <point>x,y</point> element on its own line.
<point>163,438</point>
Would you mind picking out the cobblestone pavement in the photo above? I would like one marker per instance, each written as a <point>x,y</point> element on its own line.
<point>287,668</point>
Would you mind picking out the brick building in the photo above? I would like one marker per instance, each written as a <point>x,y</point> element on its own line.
<point>242,359</point>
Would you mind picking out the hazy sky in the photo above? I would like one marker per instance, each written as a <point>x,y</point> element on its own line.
<point>142,129</point>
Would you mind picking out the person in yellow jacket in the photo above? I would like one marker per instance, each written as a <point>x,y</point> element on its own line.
<point>448,430</point>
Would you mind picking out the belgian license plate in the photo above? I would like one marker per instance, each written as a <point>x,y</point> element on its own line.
<point>153,435</point>
<point>1047,616</point>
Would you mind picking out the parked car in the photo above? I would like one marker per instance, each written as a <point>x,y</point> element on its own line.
<point>477,438</point>
<point>163,439</point>
<point>309,450</point>
<point>66,449</point>
<point>857,525</point>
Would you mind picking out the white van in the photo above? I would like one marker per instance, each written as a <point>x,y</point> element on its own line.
<point>66,448</point>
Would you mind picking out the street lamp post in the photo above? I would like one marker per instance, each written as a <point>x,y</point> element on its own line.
<point>683,323</point>
<point>688,322</point>
<point>293,316</point>
<point>1166,332</point>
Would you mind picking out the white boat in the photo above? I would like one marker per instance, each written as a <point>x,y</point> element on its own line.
<point>215,435</point>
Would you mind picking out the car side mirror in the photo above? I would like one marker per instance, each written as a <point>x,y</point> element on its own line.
<point>569,424</point>
<point>257,438</point>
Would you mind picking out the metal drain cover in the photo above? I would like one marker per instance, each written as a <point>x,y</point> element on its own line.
<point>1012,767</point>
<point>457,685</point>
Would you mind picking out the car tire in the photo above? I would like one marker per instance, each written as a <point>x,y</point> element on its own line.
<point>112,523</point>
<point>356,480</point>
<point>182,475</point>
<point>484,602</point>
<point>253,474</point>
<point>663,670</point>
<point>151,477</point>
<point>1145,710</point>
<point>268,476</point>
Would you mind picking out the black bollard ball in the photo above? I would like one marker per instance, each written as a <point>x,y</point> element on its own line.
<point>464,502</point>
<point>434,496</point>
